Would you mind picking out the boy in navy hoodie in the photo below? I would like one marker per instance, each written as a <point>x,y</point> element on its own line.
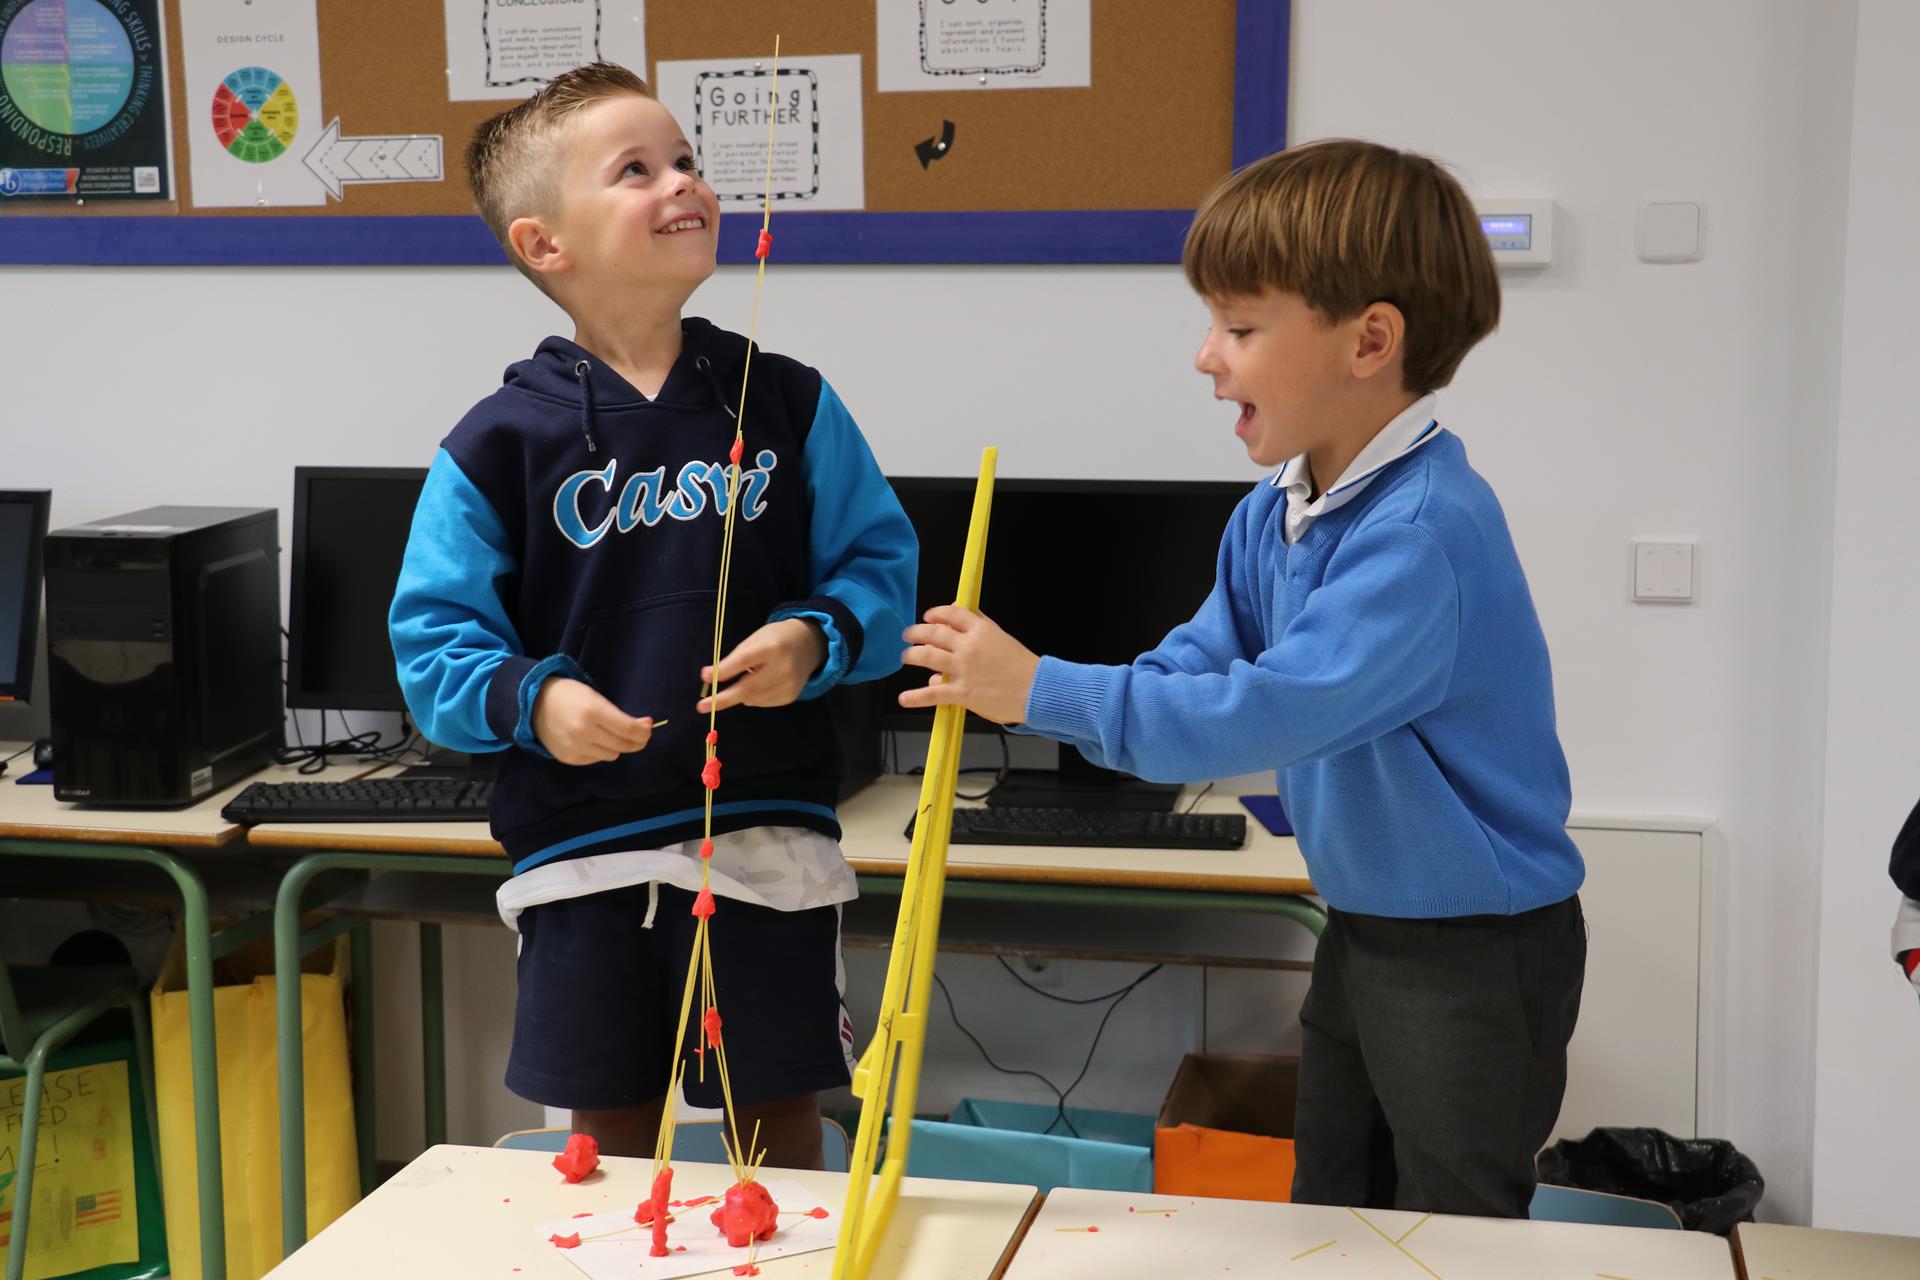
<point>557,606</point>
<point>1370,637</point>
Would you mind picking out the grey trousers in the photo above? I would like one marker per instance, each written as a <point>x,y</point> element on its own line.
<point>1435,1058</point>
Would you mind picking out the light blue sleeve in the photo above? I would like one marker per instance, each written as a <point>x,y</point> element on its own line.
<point>863,556</point>
<point>1372,650</point>
<point>457,654</point>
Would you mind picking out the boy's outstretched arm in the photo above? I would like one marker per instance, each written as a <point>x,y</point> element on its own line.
<point>458,656</point>
<point>862,557</point>
<point>1372,649</point>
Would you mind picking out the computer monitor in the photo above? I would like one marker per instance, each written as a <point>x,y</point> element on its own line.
<point>1087,570</point>
<point>350,527</point>
<point>23,536</point>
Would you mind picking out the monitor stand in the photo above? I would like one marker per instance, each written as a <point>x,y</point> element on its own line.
<point>1077,784</point>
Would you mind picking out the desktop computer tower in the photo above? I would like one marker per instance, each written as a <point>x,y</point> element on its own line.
<point>163,645</point>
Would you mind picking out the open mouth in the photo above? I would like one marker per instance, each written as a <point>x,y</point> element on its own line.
<point>1245,419</point>
<point>682,224</point>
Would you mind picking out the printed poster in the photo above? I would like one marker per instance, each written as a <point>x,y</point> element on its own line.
<point>83,108</point>
<point>984,44</point>
<point>253,101</point>
<point>509,48</point>
<point>813,105</point>
<point>84,1208</point>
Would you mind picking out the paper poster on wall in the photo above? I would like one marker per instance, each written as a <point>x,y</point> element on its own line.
<point>253,102</point>
<point>724,106</point>
<point>85,1210</point>
<point>509,48</point>
<point>984,44</point>
<point>83,109</point>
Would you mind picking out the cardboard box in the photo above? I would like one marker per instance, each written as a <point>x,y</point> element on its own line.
<point>1226,1127</point>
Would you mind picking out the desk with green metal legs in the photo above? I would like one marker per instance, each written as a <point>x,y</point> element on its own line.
<point>35,825</point>
<point>290,943</point>
<point>1268,877</point>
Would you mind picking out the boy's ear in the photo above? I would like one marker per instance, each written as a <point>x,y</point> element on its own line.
<point>1380,335</point>
<point>534,241</point>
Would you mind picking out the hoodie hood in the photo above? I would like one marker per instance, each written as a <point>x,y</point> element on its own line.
<point>562,370</point>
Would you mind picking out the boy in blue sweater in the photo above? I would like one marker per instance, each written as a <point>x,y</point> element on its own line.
<point>557,605</point>
<point>1371,638</point>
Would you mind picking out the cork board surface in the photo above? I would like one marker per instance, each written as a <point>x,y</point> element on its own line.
<point>1153,131</point>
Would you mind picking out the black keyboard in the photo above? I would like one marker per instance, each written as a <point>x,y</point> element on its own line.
<point>1110,828</point>
<point>362,800</point>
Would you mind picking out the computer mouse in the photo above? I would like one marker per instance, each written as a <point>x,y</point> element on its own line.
<point>43,754</point>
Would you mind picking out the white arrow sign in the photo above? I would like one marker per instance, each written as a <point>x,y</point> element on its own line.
<point>337,161</point>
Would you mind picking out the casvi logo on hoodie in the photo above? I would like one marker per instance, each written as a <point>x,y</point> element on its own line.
<point>646,499</point>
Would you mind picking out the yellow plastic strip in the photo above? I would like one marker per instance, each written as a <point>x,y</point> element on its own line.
<point>888,1076</point>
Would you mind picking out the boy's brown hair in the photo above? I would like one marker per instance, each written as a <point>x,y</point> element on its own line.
<point>1345,224</point>
<point>511,162</point>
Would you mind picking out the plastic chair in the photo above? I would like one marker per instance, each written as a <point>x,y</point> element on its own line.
<point>1574,1204</point>
<point>40,1010</point>
<point>694,1141</point>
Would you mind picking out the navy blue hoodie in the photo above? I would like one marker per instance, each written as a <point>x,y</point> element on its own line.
<point>570,526</point>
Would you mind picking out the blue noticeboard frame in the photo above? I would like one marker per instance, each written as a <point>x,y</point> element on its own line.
<point>1050,236</point>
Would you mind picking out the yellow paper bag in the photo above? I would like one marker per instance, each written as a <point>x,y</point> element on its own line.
<point>248,1057</point>
<point>83,1192</point>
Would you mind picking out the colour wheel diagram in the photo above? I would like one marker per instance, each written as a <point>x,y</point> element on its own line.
<point>68,64</point>
<point>254,115</point>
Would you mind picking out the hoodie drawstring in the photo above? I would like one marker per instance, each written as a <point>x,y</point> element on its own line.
<point>653,903</point>
<point>580,371</point>
<point>705,366</point>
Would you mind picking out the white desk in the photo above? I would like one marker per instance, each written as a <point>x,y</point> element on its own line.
<point>31,812</point>
<point>476,1211</point>
<point>1242,1240</point>
<point>1768,1252</point>
<point>873,824</point>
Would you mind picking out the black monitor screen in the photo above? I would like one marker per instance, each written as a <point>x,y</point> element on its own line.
<point>1087,570</point>
<point>23,534</point>
<point>350,528</point>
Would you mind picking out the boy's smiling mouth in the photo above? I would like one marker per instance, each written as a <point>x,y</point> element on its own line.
<point>692,223</point>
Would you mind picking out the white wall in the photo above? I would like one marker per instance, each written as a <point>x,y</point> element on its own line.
<point>1621,400</point>
<point>1618,400</point>
<point>1865,1106</point>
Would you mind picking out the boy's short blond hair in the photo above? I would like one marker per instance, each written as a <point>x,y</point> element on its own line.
<point>1345,224</point>
<point>512,162</point>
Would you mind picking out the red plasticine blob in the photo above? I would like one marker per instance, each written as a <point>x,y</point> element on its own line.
<point>710,775</point>
<point>816,1212</point>
<point>706,848</point>
<point>712,1025</point>
<point>713,737</point>
<point>765,246</point>
<point>746,1269</point>
<point>662,1188</point>
<point>738,451</point>
<point>565,1242</point>
<point>581,1157</point>
<point>748,1214</point>
<point>703,904</point>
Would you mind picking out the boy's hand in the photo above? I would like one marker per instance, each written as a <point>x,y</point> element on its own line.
<point>979,666</point>
<point>579,726</point>
<point>770,667</point>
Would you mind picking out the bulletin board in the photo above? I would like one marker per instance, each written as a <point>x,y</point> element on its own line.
<point>1105,167</point>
